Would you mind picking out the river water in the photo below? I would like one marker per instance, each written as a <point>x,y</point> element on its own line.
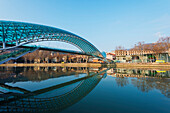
<point>84,90</point>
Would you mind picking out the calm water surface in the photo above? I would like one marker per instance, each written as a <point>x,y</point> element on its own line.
<point>85,90</point>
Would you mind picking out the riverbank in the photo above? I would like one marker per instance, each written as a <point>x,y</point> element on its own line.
<point>144,65</point>
<point>54,65</point>
<point>118,65</point>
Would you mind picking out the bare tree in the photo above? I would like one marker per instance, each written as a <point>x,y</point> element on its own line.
<point>165,43</point>
<point>140,46</point>
<point>25,58</point>
<point>162,46</point>
<point>120,48</point>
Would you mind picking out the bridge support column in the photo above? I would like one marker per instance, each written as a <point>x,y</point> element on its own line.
<point>4,45</point>
<point>16,42</point>
<point>27,39</point>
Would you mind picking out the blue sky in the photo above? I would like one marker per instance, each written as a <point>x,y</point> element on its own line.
<point>105,23</point>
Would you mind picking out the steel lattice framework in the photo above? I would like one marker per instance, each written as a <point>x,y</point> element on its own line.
<point>20,33</point>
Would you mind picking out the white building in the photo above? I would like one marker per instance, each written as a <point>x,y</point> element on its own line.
<point>110,56</point>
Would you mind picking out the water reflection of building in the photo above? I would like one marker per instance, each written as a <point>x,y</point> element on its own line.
<point>144,80</point>
<point>141,72</point>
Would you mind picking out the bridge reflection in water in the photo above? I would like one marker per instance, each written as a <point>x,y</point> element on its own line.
<point>16,96</point>
<point>36,101</point>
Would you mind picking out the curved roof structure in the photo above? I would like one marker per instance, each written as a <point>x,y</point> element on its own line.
<point>17,33</point>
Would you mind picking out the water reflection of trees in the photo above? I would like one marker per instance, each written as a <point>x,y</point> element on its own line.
<point>148,84</point>
<point>122,81</point>
<point>141,84</point>
<point>144,80</point>
<point>15,74</point>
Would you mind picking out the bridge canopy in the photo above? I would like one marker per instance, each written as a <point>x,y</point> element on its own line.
<point>21,33</point>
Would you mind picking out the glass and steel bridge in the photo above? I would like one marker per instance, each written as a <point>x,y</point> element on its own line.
<point>18,34</point>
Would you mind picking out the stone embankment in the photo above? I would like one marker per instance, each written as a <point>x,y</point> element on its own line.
<point>118,65</point>
<point>144,65</point>
<point>54,65</point>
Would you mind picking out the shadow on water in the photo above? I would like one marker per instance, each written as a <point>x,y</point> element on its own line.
<point>82,81</point>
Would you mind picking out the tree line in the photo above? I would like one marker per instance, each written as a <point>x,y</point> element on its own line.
<point>42,56</point>
<point>161,46</point>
